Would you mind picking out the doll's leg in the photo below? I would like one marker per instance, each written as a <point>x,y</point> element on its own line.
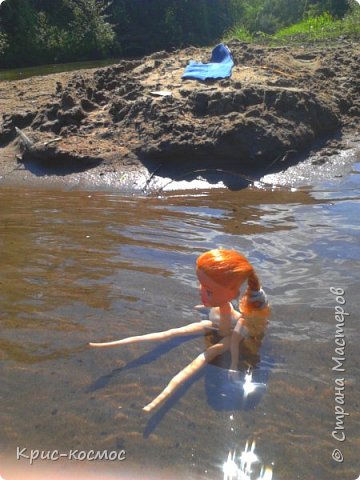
<point>193,367</point>
<point>196,327</point>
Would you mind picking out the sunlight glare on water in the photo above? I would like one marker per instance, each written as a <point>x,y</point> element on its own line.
<point>242,467</point>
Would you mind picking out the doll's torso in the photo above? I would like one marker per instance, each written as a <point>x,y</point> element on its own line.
<point>252,330</point>
<point>224,323</point>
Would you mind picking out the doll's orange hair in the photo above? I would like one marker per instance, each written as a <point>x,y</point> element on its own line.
<point>231,269</point>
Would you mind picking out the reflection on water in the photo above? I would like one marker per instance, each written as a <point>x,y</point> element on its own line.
<point>246,466</point>
<point>79,267</point>
<point>27,72</point>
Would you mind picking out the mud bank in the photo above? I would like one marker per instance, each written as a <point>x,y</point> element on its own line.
<point>140,116</point>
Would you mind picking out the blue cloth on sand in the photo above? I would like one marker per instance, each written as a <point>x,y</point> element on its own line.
<point>220,66</point>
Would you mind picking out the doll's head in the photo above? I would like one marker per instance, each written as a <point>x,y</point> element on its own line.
<point>223,272</point>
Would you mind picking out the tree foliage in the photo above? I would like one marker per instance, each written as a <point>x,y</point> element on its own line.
<point>3,42</point>
<point>144,26</point>
<point>46,31</point>
<point>268,16</point>
<point>40,31</point>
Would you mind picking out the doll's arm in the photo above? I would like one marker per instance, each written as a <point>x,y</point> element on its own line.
<point>192,328</point>
<point>184,375</point>
<point>239,333</point>
<point>236,338</point>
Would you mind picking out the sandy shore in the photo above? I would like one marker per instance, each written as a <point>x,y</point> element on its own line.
<point>118,126</point>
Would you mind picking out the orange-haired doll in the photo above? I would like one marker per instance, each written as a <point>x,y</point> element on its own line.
<point>220,273</point>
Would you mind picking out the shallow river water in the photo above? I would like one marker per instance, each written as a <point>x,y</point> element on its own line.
<point>80,266</point>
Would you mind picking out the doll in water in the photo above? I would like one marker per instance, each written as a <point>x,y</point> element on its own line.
<point>221,273</point>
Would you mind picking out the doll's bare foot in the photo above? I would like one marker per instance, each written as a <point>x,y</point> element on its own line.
<point>102,345</point>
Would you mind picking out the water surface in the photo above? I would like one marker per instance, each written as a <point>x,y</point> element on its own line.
<point>82,266</point>
<point>27,72</point>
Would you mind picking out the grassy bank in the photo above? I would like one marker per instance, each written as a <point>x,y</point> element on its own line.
<point>319,28</point>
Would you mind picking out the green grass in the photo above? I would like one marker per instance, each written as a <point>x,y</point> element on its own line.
<point>240,33</point>
<point>320,28</point>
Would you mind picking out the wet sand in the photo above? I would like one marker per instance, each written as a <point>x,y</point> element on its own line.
<point>107,127</point>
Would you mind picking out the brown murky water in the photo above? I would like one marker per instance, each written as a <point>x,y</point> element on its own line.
<point>82,266</point>
<point>27,72</point>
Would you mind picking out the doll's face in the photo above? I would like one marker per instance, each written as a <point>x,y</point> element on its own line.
<point>212,294</point>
